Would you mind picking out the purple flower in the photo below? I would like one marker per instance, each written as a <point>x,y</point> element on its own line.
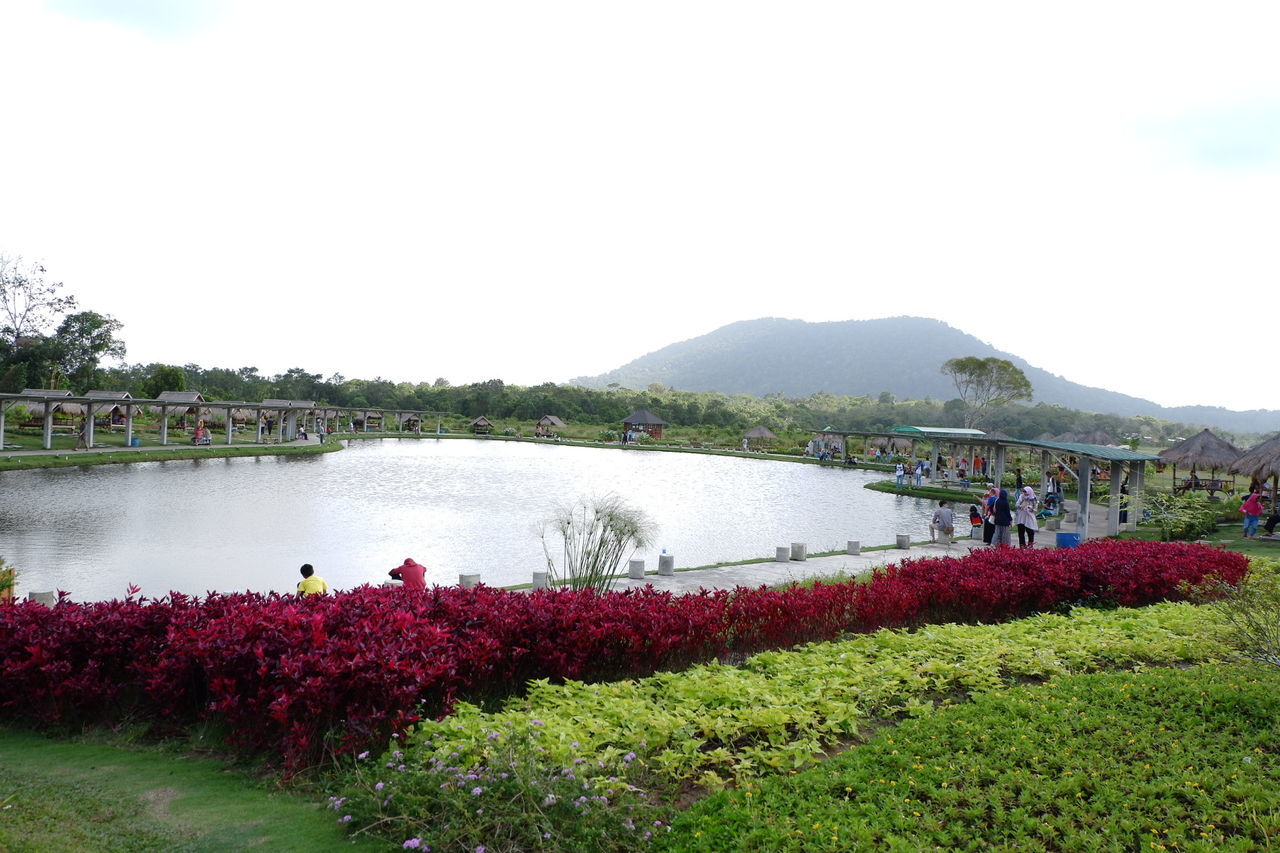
<point>477,791</point>
<point>362,756</point>
<point>414,844</point>
<point>379,786</point>
<point>629,757</point>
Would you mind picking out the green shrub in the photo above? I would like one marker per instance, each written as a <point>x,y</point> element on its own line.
<point>1252,609</point>
<point>1158,759</point>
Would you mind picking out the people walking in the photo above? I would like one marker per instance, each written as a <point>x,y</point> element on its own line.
<point>1252,509</point>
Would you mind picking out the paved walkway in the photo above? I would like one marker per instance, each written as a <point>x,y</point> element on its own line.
<point>775,574</point>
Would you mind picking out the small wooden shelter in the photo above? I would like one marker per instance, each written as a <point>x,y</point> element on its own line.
<point>760,436</point>
<point>482,426</point>
<point>1261,463</point>
<point>547,426</point>
<point>642,420</point>
<point>1203,450</point>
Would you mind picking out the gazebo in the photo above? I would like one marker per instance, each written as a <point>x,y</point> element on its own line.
<point>760,436</point>
<point>644,421</point>
<point>1203,450</point>
<point>1261,463</point>
<point>481,426</point>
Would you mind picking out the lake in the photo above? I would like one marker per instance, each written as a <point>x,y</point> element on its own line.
<point>456,506</point>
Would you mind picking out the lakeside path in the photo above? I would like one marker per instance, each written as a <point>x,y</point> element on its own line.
<point>776,574</point>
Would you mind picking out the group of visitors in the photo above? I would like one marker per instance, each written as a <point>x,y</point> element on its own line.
<point>998,515</point>
<point>411,573</point>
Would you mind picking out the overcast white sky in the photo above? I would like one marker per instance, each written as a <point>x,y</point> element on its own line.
<point>540,190</point>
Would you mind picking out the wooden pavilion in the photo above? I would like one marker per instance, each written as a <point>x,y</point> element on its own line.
<point>1203,450</point>
<point>642,420</point>
<point>482,426</point>
<point>1261,463</point>
<point>758,437</point>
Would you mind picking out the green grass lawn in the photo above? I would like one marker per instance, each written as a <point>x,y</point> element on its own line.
<point>71,795</point>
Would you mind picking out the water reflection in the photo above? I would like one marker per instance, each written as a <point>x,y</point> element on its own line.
<point>455,506</point>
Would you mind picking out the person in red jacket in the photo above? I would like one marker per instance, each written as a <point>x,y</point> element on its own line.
<point>413,575</point>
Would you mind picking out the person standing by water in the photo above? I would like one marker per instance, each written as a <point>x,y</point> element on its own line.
<point>1252,509</point>
<point>82,437</point>
<point>1026,517</point>
<point>988,514</point>
<point>943,523</point>
<point>311,583</point>
<point>1002,518</point>
<point>411,573</point>
<point>899,473</point>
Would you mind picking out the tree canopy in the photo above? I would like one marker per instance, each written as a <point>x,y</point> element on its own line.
<point>986,383</point>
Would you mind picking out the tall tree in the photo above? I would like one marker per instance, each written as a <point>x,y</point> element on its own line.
<point>986,383</point>
<point>81,341</point>
<point>28,303</point>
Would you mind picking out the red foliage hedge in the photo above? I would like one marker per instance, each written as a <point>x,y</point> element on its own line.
<point>283,674</point>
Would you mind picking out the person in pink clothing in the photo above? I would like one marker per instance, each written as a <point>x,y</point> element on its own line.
<point>413,575</point>
<point>1252,509</point>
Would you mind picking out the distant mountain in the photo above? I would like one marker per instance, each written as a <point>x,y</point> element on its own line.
<point>901,355</point>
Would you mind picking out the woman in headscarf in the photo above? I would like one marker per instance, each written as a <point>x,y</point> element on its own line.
<point>1026,517</point>
<point>1002,518</point>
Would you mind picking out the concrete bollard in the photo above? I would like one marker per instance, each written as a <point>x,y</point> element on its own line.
<point>48,599</point>
<point>1053,523</point>
<point>904,541</point>
<point>635,570</point>
<point>799,551</point>
<point>854,547</point>
<point>666,565</point>
<point>783,554</point>
<point>540,580</point>
<point>469,581</point>
<point>976,532</point>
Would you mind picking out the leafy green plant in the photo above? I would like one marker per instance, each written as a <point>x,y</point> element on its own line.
<point>1252,609</point>
<point>504,797</point>
<point>1163,759</point>
<point>593,537</point>
<point>1182,517</point>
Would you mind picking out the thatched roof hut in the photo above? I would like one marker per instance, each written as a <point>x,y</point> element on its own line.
<point>760,432</point>
<point>550,421</point>
<point>1203,450</point>
<point>1261,462</point>
<point>482,426</point>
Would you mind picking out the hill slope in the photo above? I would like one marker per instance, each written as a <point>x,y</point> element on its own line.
<point>901,355</point>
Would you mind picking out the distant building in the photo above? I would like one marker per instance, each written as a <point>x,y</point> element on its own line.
<point>644,421</point>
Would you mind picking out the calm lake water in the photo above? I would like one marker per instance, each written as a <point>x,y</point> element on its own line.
<point>454,506</point>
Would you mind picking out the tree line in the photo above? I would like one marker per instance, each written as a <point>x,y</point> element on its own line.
<point>47,342</point>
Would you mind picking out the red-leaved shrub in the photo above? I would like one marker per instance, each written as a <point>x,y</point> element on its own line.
<point>288,676</point>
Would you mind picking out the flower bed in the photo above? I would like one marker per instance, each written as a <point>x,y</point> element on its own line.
<point>284,673</point>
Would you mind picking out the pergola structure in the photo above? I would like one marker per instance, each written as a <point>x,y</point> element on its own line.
<point>190,403</point>
<point>1120,464</point>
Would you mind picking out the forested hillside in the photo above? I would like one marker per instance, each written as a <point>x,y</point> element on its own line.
<point>900,355</point>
